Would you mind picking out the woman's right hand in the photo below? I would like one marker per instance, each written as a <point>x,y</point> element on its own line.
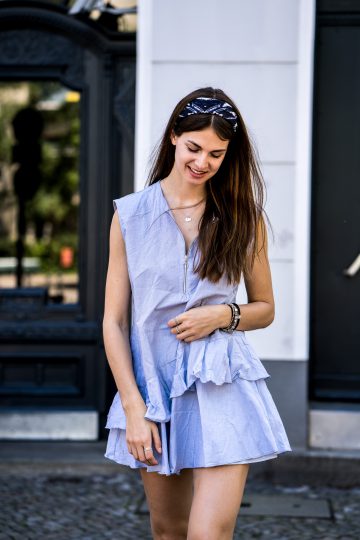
<point>142,433</point>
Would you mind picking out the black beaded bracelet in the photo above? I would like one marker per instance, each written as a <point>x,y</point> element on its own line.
<point>235,318</point>
<point>238,316</point>
<point>227,328</point>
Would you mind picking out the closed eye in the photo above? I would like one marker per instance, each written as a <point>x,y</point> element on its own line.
<point>216,156</point>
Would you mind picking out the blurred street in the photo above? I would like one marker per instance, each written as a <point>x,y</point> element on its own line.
<point>68,491</point>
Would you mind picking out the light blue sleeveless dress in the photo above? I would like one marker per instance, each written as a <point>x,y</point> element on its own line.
<point>208,397</point>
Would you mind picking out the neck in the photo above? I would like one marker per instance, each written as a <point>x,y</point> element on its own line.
<point>182,192</point>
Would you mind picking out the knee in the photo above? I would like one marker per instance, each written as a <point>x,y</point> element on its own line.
<point>164,530</point>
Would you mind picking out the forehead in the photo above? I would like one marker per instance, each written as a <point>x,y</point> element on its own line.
<point>206,138</point>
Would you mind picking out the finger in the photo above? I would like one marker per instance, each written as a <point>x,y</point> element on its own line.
<point>178,329</point>
<point>142,456</point>
<point>134,452</point>
<point>156,438</point>
<point>175,321</point>
<point>185,334</point>
<point>191,336</point>
<point>149,456</point>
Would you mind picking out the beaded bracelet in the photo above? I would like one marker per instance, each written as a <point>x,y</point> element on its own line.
<point>235,318</point>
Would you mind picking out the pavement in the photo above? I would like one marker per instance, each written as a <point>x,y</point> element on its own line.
<point>69,491</point>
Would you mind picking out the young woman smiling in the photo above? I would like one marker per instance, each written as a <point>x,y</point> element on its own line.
<point>192,409</point>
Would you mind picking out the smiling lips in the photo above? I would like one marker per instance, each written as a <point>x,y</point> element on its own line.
<point>197,173</point>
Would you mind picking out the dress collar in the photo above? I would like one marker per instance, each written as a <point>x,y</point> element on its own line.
<point>159,204</point>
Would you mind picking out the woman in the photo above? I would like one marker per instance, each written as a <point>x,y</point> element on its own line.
<point>192,409</point>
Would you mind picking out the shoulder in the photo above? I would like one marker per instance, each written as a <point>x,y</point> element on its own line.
<point>137,203</point>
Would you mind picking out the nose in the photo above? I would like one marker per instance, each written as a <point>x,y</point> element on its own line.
<point>201,162</point>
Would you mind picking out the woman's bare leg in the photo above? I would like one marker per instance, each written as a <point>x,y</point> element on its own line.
<point>218,492</point>
<point>169,502</point>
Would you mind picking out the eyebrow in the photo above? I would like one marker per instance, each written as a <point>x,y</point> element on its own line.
<point>198,146</point>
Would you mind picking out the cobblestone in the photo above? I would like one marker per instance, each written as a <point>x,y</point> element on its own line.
<point>39,504</point>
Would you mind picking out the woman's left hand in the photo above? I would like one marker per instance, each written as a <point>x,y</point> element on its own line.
<point>200,321</point>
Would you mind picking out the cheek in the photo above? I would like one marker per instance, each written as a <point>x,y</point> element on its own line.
<point>216,164</point>
<point>182,156</point>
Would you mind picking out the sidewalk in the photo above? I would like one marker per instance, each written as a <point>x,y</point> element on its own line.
<point>69,491</point>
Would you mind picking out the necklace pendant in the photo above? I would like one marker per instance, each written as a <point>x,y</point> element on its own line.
<point>188,218</point>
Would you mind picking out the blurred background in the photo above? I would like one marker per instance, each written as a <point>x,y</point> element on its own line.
<point>86,88</point>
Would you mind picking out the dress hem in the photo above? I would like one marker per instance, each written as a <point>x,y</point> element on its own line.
<point>177,470</point>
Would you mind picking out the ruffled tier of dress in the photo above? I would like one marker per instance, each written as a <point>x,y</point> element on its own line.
<point>220,358</point>
<point>212,408</point>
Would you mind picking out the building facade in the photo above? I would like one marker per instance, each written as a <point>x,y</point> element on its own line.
<point>272,58</point>
<point>291,67</point>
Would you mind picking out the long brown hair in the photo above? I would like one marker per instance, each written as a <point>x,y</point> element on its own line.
<point>234,215</point>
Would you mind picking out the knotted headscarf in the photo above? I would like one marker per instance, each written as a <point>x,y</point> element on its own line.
<point>206,105</point>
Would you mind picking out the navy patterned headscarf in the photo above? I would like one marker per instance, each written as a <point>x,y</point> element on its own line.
<point>206,105</point>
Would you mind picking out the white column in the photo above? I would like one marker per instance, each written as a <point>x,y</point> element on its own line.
<point>301,280</point>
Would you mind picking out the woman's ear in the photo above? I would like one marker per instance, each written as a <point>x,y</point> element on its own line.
<point>173,138</point>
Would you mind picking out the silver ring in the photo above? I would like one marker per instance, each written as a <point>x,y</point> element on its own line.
<point>178,329</point>
<point>177,322</point>
<point>147,448</point>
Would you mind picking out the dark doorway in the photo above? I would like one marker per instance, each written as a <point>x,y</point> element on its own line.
<point>67,95</point>
<point>335,255</point>
<point>39,188</point>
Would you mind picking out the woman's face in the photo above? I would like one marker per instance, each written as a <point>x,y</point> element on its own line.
<point>198,154</point>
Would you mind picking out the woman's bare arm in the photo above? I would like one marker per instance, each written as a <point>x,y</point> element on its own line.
<point>260,310</point>
<point>116,320</point>
<point>140,432</point>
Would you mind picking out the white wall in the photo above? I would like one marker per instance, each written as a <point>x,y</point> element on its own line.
<point>260,53</point>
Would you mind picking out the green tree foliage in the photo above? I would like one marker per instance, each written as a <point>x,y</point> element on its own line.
<point>53,211</point>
